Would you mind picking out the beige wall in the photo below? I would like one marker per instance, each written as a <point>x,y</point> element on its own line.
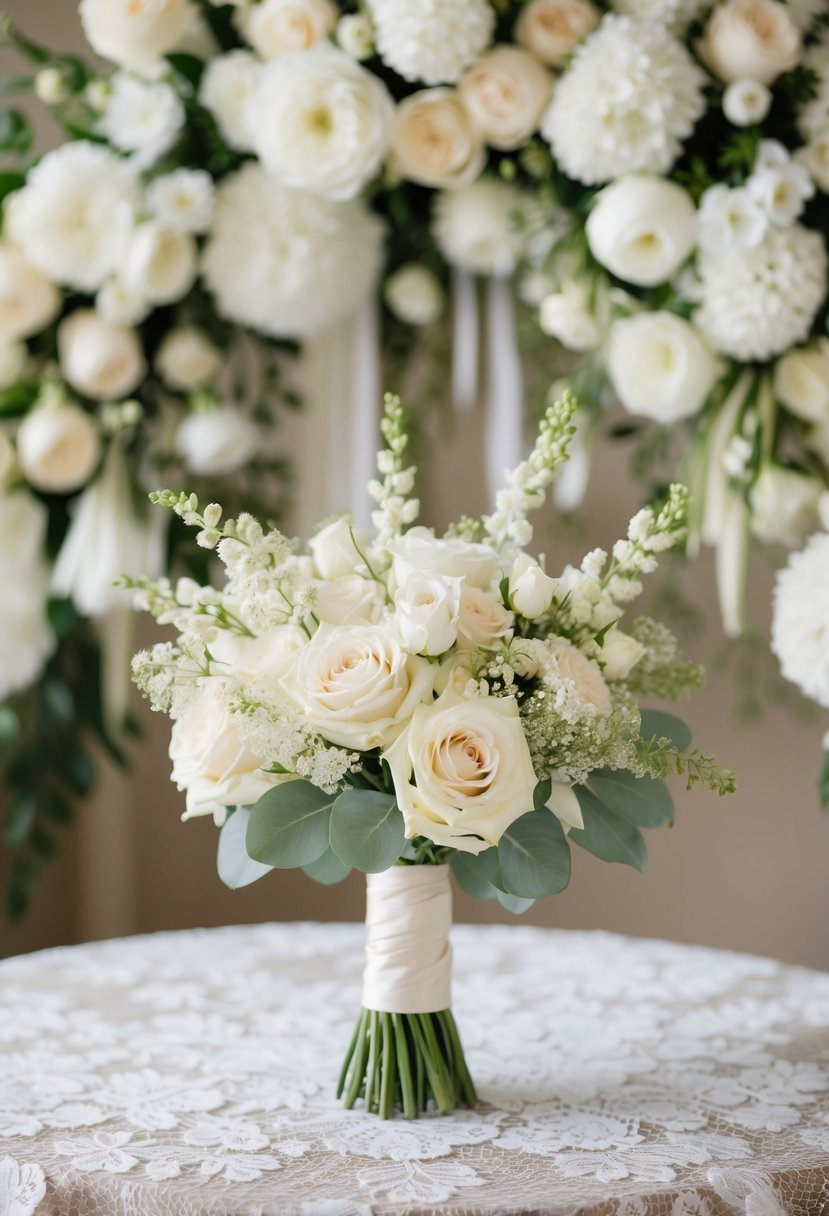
<point>748,872</point>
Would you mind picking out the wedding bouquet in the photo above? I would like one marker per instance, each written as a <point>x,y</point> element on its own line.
<point>403,704</point>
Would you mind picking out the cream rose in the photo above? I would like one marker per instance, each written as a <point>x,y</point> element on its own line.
<point>357,686</point>
<point>14,357</point>
<point>135,31</point>
<point>584,673</point>
<point>58,448</point>
<point>506,93</point>
<point>462,771</point>
<point>784,506</point>
<point>750,40</point>
<point>642,228</point>
<point>275,26</point>
<point>428,606</point>
<point>484,621</point>
<point>211,760</point>
<point>801,382</point>
<point>187,360</point>
<point>264,659</point>
<point>434,141</point>
<point>551,28</point>
<point>99,359</point>
<point>620,654</point>
<point>28,300</point>
<point>160,263</point>
<point>349,600</point>
<point>420,550</point>
<point>531,591</point>
<point>334,550</point>
<point>660,366</point>
<point>214,442</point>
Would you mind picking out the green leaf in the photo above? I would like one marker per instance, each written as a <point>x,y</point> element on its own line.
<point>20,817</point>
<point>77,769</point>
<point>606,834</point>
<point>479,875</point>
<point>513,903</point>
<point>541,794</point>
<point>289,825</point>
<point>188,66</point>
<point>823,783</point>
<point>236,869</point>
<point>9,724</point>
<point>63,617</point>
<point>534,856</point>
<point>645,802</point>
<point>658,725</point>
<point>15,131</point>
<point>367,830</point>
<point>327,869</point>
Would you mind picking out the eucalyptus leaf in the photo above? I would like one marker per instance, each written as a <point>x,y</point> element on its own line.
<point>534,856</point>
<point>479,875</point>
<point>367,830</point>
<point>327,869</point>
<point>606,834</point>
<point>541,794</point>
<point>514,903</point>
<point>656,724</point>
<point>20,817</point>
<point>289,825</point>
<point>236,869</point>
<point>645,802</point>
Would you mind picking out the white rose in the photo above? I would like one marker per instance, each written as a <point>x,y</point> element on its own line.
<point>349,600</point>
<point>321,122</point>
<point>183,199</point>
<point>262,659</point>
<point>660,366</point>
<point>334,550</point>
<point>414,295</point>
<point>462,771</point>
<point>355,35</point>
<point>134,31</point>
<point>784,506</point>
<point>483,621</point>
<point>801,382</point>
<point>13,359</point>
<point>531,591</point>
<point>420,550</point>
<point>750,39</point>
<point>428,606</point>
<point>781,191</point>
<point>506,93</point>
<point>584,674</point>
<point>566,807</point>
<point>566,315</point>
<point>357,686</point>
<point>814,157</point>
<point>730,220</point>
<point>187,360</point>
<point>642,228</point>
<point>746,102</point>
<point>211,760</point>
<point>142,117</point>
<point>275,26</point>
<point>620,654</point>
<point>551,28</point>
<point>227,90</point>
<point>160,263</point>
<point>99,359</point>
<point>28,300</point>
<point>120,305</point>
<point>479,227</point>
<point>58,448</point>
<point>214,442</point>
<point>26,637</point>
<point>433,140</point>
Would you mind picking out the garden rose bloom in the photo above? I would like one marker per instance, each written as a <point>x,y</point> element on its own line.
<point>99,359</point>
<point>265,658</point>
<point>419,549</point>
<point>583,672</point>
<point>801,381</point>
<point>275,26</point>
<point>750,39</point>
<point>28,300</point>
<point>660,366</point>
<point>483,621</point>
<point>214,442</point>
<point>26,637</point>
<point>187,360</point>
<point>334,551</point>
<point>462,771</point>
<point>58,448</point>
<point>551,28</point>
<point>620,654</point>
<point>434,141</point>
<point>160,263</point>
<point>428,606</point>
<point>414,295</point>
<point>506,92</point>
<point>349,600</point>
<point>134,31</point>
<point>642,228</point>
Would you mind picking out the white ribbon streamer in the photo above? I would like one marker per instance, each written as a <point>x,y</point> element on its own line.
<point>465,340</point>
<point>365,409</point>
<point>503,437</point>
<point>408,956</point>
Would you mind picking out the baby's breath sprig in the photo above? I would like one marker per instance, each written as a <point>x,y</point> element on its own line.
<point>395,509</point>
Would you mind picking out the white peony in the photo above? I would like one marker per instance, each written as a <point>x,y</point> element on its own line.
<point>482,227</point>
<point>142,117</point>
<point>182,200</point>
<point>750,39</point>
<point>160,263</point>
<point>135,31</point>
<point>730,221</point>
<point>506,92</point>
<point>26,638</point>
<point>121,305</point>
<point>414,294</point>
<point>101,360</point>
<point>286,262</point>
<point>321,122</point>
<point>762,301</point>
<point>550,29</point>
<point>431,42</point>
<point>214,442</point>
<point>531,591</point>
<point>676,15</point>
<point>58,448</point>
<point>645,95</point>
<point>427,609</point>
<point>746,102</point>
<point>660,367</point>
<point>784,505</point>
<point>275,26</point>
<point>227,90</point>
<point>801,382</point>
<point>434,142</point>
<point>799,636</point>
<point>28,300</point>
<point>420,550</point>
<point>355,35</point>
<point>642,228</point>
<point>187,360</point>
<point>567,316</point>
<point>73,217</point>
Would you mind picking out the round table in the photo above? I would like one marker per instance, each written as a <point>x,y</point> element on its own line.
<point>192,1074</point>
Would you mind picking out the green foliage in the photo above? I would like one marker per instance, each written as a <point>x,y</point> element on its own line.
<point>479,874</point>
<point>236,868</point>
<point>327,869</point>
<point>662,758</point>
<point>534,856</point>
<point>823,782</point>
<point>289,825</point>
<point>656,723</point>
<point>367,830</point>
<point>643,801</point>
<point>607,834</point>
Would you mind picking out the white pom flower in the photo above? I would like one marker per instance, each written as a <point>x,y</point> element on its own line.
<point>675,15</point>
<point>414,294</point>
<point>217,441</point>
<point>286,262</point>
<point>642,228</point>
<point>746,102</point>
<point>187,360</point>
<point>142,117</point>
<point>645,95</point>
<point>355,35</point>
<point>74,215</point>
<point>26,639</point>
<point>660,367</point>
<point>182,200</point>
<point>275,26</point>
<point>730,220</point>
<point>28,300</point>
<point>431,41</point>
<point>567,316</point>
<point>160,263</point>
<point>135,31</point>
<point>799,636</point>
<point>227,89</point>
<point>479,227</point>
<point>321,122</point>
<point>759,302</point>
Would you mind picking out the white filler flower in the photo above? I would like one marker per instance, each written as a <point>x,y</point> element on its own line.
<point>630,98</point>
<point>286,262</point>
<point>431,41</point>
<point>26,640</point>
<point>800,635</point>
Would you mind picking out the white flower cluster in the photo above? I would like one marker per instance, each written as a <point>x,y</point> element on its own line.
<point>800,638</point>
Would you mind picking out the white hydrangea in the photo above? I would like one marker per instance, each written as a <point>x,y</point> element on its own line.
<point>75,214</point>
<point>286,262</point>
<point>799,636</point>
<point>675,15</point>
<point>431,40</point>
<point>183,200</point>
<point>141,117</point>
<point>645,95</point>
<point>482,227</point>
<point>759,302</point>
<point>26,640</point>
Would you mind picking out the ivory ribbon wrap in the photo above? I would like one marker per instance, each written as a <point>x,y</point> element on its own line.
<point>408,956</point>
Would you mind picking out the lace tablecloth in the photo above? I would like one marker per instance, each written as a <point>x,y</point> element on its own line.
<point>191,1074</point>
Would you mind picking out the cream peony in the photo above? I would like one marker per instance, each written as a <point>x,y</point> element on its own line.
<point>135,31</point>
<point>357,686</point>
<point>642,228</point>
<point>286,262</point>
<point>142,117</point>
<point>620,654</point>
<point>73,217</point>
<point>214,442</point>
<point>275,26</point>
<point>26,638</point>
<point>28,300</point>
<point>187,360</point>
<point>101,360</point>
<point>462,771</point>
<point>552,28</point>
<point>58,448</point>
<point>227,90</point>
<point>414,294</point>
<point>567,316</point>
<point>484,622</point>
<point>427,610</point>
<point>420,550</point>
<point>321,122</point>
<point>182,200</point>
<point>784,505</point>
<point>660,367</point>
<point>160,263</point>
<point>506,92</point>
<point>801,382</point>
<point>583,673</point>
<point>799,636</point>
<point>482,227</point>
<point>349,599</point>
<point>531,591</point>
<point>336,549</point>
<point>434,142</point>
<point>750,40</point>
<point>431,42</point>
